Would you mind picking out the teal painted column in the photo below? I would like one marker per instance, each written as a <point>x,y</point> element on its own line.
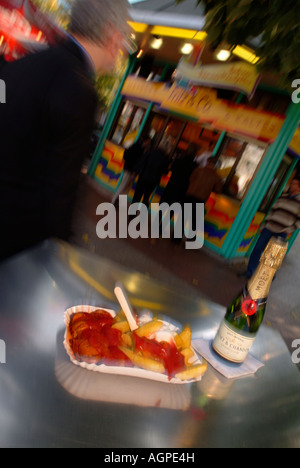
<point>261,182</point>
<point>110,118</point>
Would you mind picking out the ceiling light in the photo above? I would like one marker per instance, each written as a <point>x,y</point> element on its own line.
<point>223,55</point>
<point>245,53</point>
<point>156,43</point>
<point>187,49</point>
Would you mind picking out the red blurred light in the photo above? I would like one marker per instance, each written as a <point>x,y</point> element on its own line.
<point>24,27</point>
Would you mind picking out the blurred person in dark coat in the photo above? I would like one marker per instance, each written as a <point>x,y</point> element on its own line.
<point>156,165</point>
<point>203,181</point>
<point>47,122</point>
<point>134,158</point>
<point>175,191</point>
<point>181,169</point>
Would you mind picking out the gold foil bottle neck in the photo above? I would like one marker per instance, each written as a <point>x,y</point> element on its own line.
<point>271,260</point>
<point>275,253</point>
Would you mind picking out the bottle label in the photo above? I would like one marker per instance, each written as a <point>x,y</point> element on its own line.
<point>232,345</point>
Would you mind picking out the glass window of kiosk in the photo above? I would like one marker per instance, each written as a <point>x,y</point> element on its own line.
<point>155,127</point>
<point>127,124</point>
<point>161,126</point>
<point>204,137</point>
<point>238,162</point>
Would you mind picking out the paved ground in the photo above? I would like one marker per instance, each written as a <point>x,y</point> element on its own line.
<point>210,275</point>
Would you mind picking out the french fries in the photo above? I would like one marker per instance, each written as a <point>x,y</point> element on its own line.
<point>184,339</point>
<point>121,317</point>
<point>174,357</point>
<point>144,363</point>
<point>192,372</point>
<point>189,356</point>
<point>149,328</point>
<point>122,326</point>
<point>127,340</point>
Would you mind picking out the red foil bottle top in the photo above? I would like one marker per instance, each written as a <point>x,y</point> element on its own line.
<point>249,307</point>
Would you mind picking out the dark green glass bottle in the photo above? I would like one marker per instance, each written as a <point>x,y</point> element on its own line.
<point>245,314</point>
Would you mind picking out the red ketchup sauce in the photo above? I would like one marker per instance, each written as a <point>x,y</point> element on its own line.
<point>164,351</point>
<point>94,339</point>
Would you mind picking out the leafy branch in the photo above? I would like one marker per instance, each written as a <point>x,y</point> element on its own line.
<point>273,24</point>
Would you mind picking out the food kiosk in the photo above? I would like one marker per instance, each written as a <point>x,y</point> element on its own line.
<point>257,149</point>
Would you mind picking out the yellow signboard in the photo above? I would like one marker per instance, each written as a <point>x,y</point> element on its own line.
<point>202,105</point>
<point>139,88</point>
<point>167,96</point>
<point>239,76</point>
<point>197,103</point>
<point>253,123</point>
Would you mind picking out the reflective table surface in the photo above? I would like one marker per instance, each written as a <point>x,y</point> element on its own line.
<point>45,401</point>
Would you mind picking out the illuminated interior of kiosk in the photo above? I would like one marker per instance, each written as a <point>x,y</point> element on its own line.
<point>238,157</point>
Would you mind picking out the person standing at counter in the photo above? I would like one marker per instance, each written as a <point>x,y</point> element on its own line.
<point>182,168</point>
<point>203,182</point>
<point>47,123</point>
<point>283,220</point>
<point>202,158</point>
<point>156,165</point>
<point>134,158</point>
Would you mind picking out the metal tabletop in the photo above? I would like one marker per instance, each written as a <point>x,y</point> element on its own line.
<point>46,401</point>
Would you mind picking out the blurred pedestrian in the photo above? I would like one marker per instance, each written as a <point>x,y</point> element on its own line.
<point>47,123</point>
<point>134,159</point>
<point>202,158</point>
<point>203,182</point>
<point>181,169</point>
<point>156,165</point>
<point>283,220</point>
<point>175,191</point>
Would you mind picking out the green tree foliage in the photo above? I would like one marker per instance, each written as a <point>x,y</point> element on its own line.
<point>273,24</point>
<point>107,85</point>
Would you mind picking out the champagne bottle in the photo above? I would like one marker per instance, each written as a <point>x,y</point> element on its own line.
<point>244,316</point>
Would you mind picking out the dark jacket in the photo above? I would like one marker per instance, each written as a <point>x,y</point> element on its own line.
<point>177,187</point>
<point>133,157</point>
<point>156,165</point>
<point>203,182</point>
<point>45,130</point>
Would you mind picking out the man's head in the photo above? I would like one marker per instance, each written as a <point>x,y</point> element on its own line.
<point>101,27</point>
<point>295,186</point>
